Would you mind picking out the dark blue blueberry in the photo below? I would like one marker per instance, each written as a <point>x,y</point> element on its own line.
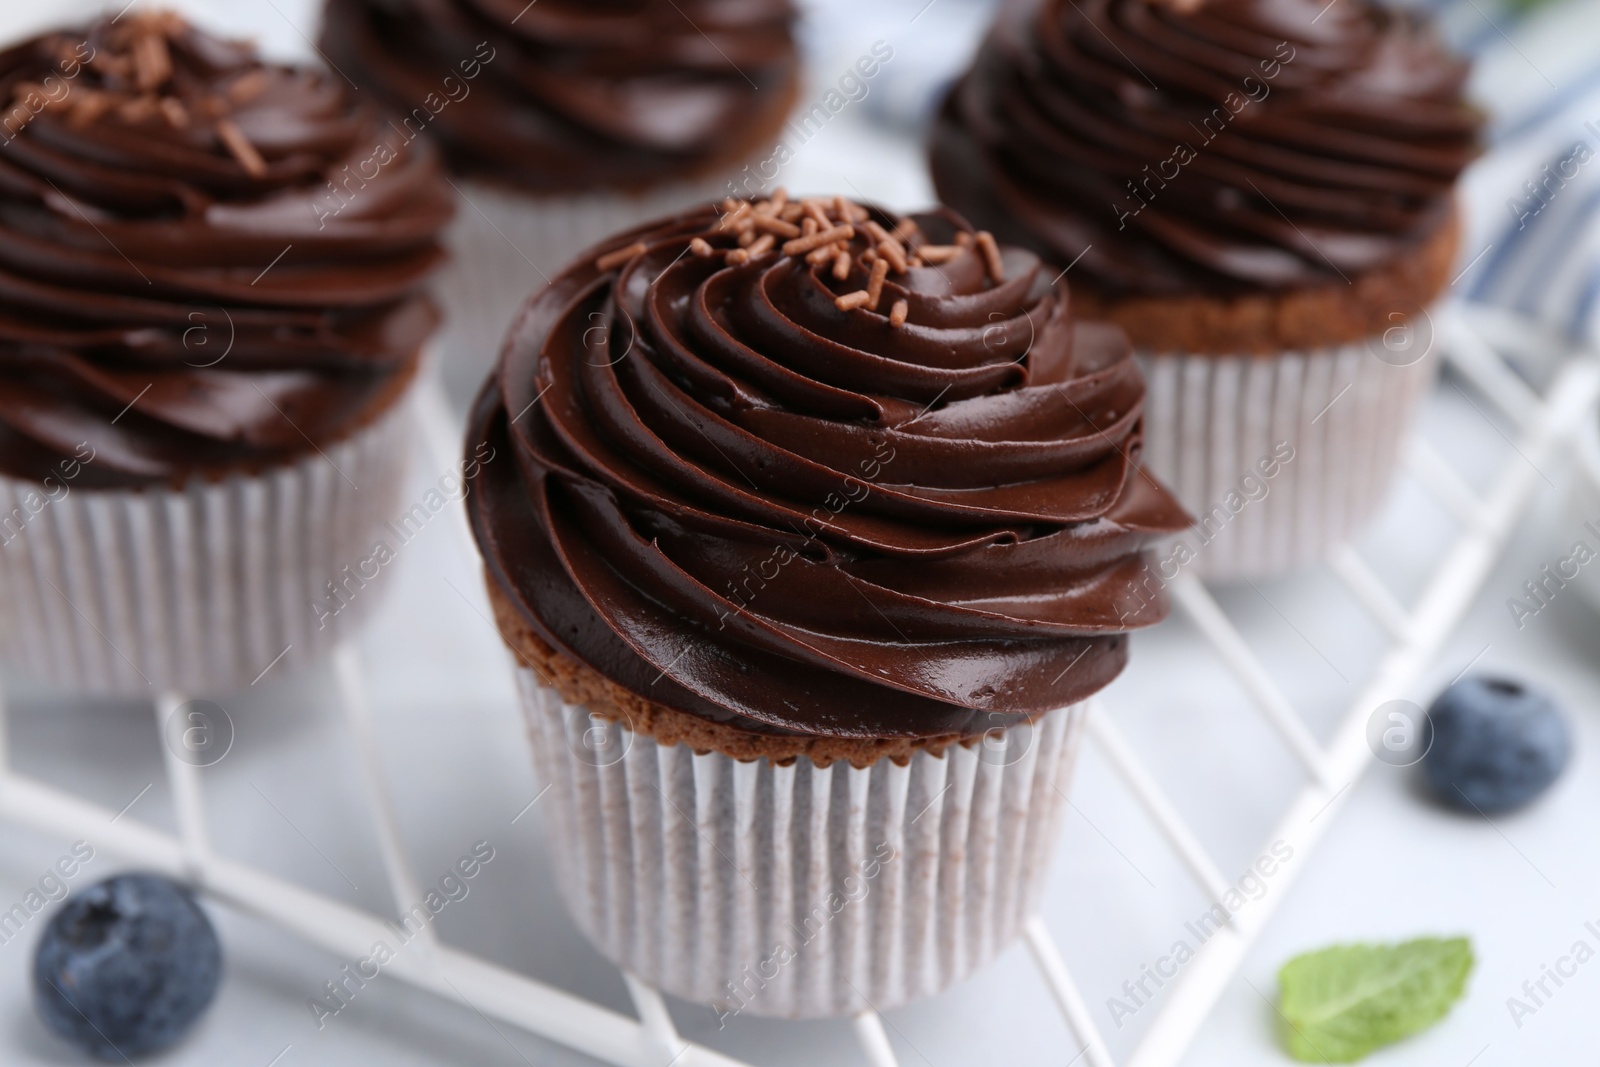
<point>126,966</point>
<point>1497,744</point>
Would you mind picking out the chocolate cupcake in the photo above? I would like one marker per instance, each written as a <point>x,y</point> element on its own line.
<point>1261,192</point>
<point>811,545</point>
<point>566,121</point>
<point>203,365</point>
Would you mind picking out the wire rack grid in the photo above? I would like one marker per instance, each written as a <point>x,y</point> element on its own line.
<point>1476,343</point>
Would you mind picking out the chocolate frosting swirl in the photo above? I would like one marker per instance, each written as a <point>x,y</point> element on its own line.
<point>564,95</point>
<point>182,291</point>
<point>1242,145</point>
<point>735,499</point>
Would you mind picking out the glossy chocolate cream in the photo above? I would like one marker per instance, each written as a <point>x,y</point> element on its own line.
<point>806,468</point>
<point>183,288</point>
<point>566,95</point>
<point>1232,146</point>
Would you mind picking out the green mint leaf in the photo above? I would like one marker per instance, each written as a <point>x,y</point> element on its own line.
<point>1341,1003</point>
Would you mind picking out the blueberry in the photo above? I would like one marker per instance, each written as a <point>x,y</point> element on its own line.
<point>126,966</point>
<point>1497,744</point>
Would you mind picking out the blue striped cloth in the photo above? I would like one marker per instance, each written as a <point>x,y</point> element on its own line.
<point>1532,204</point>
<point>1533,201</point>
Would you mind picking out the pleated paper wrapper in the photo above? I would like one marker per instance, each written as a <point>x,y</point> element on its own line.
<point>197,590</point>
<point>1211,421</point>
<point>795,891</point>
<point>1583,520</point>
<point>506,246</point>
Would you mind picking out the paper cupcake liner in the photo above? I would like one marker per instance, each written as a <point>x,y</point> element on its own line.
<point>1214,425</point>
<point>1572,566</point>
<point>796,891</point>
<point>506,246</point>
<point>195,590</point>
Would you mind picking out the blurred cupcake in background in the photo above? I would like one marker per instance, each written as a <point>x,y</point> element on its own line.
<point>566,121</point>
<point>205,354</point>
<point>812,547</point>
<point>1261,192</point>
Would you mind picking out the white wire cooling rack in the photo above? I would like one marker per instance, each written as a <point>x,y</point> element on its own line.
<point>1477,344</point>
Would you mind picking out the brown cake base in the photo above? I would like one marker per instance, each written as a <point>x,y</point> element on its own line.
<point>1266,323</point>
<point>582,685</point>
